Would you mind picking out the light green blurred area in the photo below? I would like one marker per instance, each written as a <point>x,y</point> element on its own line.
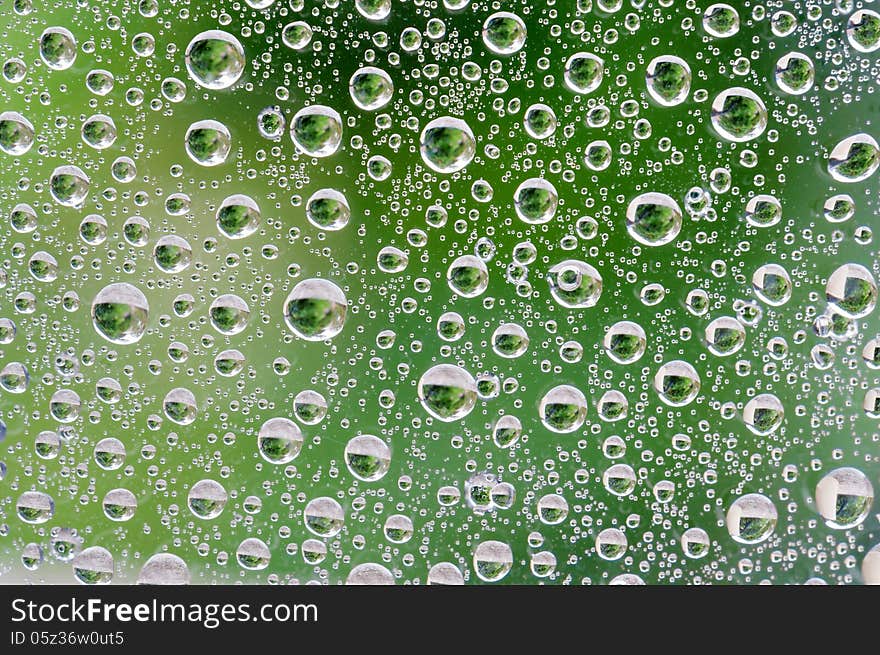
<point>825,426</point>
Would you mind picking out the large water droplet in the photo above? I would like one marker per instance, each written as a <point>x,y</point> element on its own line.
<point>120,313</point>
<point>447,392</point>
<point>215,59</point>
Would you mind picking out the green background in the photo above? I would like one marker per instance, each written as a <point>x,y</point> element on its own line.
<point>825,426</point>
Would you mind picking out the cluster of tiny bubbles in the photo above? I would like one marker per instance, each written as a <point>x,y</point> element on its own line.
<point>440,292</point>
